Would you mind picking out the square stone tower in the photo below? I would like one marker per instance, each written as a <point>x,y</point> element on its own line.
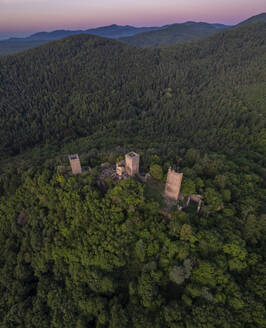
<point>132,163</point>
<point>75,164</point>
<point>173,184</point>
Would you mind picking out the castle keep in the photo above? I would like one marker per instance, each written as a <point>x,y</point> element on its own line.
<point>173,184</point>
<point>75,164</point>
<point>132,163</point>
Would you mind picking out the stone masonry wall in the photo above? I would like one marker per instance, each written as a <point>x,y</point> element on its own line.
<point>75,164</point>
<point>173,184</point>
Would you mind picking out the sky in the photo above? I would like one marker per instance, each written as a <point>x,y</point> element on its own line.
<point>24,17</point>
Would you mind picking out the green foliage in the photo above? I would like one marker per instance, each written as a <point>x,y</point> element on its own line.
<point>205,274</point>
<point>188,187</point>
<point>72,255</point>
<point>156,172</point>
<point>212,199</point>
<point>60,104</point>
<point>192,156</point>
<point>254,227</point>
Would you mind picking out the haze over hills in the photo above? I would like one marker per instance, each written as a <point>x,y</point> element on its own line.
<point>156,36</point>
<point>112,31</point>
<point>182,32</point>
<point>173,34</point>
<point>13,45</point>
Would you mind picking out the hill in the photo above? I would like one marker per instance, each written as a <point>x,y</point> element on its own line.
<point>76,86</point>
<point>254,19</point>
<point>173,34</point>
<point>78,253</point>
<point>114,31</point>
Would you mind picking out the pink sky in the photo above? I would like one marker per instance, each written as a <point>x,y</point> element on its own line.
<point>24,17</point>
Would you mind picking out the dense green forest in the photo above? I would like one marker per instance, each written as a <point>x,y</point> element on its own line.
<point>78,254</point>
<point>209,94</point>
<point>73,255</point>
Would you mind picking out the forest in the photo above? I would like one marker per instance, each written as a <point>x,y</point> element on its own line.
<point>77,254</point>
<point>208,94</point>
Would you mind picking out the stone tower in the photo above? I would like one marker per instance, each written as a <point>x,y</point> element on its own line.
<point>132,163</point>
<point>75,164</point>
<point>173,184</point>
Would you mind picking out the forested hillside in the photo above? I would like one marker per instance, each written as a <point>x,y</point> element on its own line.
<point>73,257</point>
<point>254,19</point>
<point>76,253</point>
<point>172,35</point>
<point>208,94</point>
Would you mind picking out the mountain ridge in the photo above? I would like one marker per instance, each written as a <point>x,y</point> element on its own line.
<point>13,45</point>
<point>254,19</point>
<point>112,31</point>
<point>173,34</point>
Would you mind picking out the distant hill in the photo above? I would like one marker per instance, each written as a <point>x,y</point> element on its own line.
<point>153,36</point>
<point>112,31</point>
<point>14,45</point>
<point>254,19</point>
<point>173,34</point>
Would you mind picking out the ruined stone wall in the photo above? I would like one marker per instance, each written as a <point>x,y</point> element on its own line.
<point>75,164</point>
<point>173,184</point>
<point>132,163</point>
<point>120,168</point>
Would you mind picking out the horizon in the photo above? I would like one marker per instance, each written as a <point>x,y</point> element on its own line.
<point>95,27</point>
<point>32,16</point>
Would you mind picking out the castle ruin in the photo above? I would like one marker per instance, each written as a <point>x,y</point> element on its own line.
<point>120,169</point>
<point>173,184</point>
<point>75,164</point>
<point>197,199</point>
<point>132,163</point>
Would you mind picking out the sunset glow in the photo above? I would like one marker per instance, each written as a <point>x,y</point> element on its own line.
<point>23,17</point>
